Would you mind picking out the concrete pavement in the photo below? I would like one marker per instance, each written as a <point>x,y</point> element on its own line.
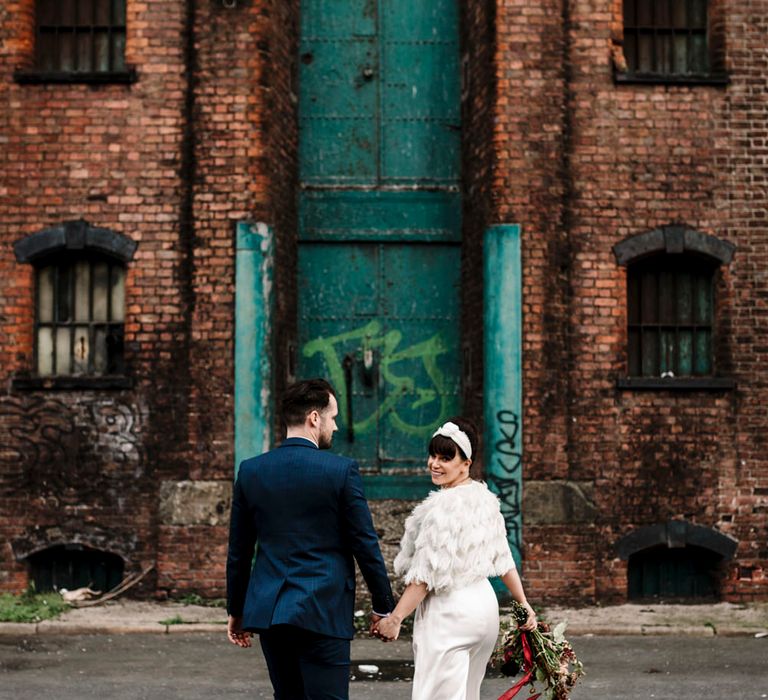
<point>139,650</point>
<point>124,616</point>
<point>204,666</point>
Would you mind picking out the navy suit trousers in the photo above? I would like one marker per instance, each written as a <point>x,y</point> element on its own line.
<point>304,665</point>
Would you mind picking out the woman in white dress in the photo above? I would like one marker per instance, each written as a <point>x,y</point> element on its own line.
<point>454,540</point>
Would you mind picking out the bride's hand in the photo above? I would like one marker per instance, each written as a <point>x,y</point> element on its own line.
<point>530,623</point>
<point>388,628</point>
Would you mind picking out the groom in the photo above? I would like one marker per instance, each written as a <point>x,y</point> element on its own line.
<point>305,508</point>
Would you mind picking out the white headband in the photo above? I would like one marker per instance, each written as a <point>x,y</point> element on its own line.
<point>455,433</point>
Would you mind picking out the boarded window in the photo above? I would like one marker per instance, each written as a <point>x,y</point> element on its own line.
<point>670,312</point>
<point>80,36</point>
<point>75,566</point>
<point>684,574</point>
<point>80,314</point>
<point>666,37</point>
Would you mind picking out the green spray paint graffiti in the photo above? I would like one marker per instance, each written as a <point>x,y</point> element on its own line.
<point>403,389</point>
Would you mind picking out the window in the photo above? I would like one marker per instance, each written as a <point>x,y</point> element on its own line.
<point>80,310</point>
<point>671,274</point>
<point>74,566</point>
<point>666,38</point>
<point>79,306</point>
<point>80,36</point>
<point>670,312</point>
<point>682,574</point>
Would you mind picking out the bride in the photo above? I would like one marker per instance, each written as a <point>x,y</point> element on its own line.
<point>454,540</point>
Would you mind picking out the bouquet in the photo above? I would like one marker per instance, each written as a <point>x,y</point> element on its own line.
<point>542,655</point>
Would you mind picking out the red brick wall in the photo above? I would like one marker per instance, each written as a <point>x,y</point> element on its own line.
<point>80,465</point>
<point>202,139</point>
<point>478,35</point>
<point>589,163</point>
<point>207,137</point>
<point>741,132</point>
<point>244,160</point>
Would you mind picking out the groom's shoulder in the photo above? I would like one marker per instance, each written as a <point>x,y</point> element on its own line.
<point>332,459</point>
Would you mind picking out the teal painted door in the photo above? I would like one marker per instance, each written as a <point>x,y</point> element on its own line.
<point>380,224</point>
<point>382,326</point>
<point>379,92</point>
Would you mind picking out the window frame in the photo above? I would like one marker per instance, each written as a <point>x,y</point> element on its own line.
<point>73,238</point>
<point>670,240</point>
<point>712,75</point>
<point>665,323</point>
<point>117,72</point>
<point>69,261</point>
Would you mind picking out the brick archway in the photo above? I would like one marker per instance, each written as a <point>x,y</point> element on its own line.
<point>676,534</point>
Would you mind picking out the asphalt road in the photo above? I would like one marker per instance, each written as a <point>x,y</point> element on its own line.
<point>203,666</point>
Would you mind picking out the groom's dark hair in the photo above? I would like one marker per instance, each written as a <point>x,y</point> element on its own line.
<point>303,397</point>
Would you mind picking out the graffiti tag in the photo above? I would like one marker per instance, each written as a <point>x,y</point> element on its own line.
<point>505,479</point>
<point>404,389</point>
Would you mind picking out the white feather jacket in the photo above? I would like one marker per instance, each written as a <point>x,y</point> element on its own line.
<point>453,538</point>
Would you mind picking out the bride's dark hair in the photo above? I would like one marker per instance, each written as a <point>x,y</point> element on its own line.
<point>447,448</point>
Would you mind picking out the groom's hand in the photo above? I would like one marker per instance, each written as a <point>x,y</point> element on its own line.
<point>389,628</point>
<point>235,632</point>
<point>373,627</point>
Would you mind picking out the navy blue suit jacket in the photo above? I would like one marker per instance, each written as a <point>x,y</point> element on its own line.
<point>306,509</point>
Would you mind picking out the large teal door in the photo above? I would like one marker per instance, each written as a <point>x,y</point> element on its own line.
<point>383,327</point>
<point>379,92</point>
<point>380,225</point>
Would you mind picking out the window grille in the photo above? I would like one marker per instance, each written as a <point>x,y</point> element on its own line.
<point>80,36</point>
<point>688,573</point>
<point>80,313</point>
<point>670,310</point>
<point>74,566</point>
<point>666,37</point>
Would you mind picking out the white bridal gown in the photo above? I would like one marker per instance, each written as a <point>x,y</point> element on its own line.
<point>454,540</point>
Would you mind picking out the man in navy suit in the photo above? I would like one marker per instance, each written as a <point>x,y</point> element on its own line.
<point>306,510</point>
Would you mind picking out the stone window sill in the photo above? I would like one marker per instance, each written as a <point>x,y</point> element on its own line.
<point>37,77</point>
<point>70,383</point>
<point>676,383</point>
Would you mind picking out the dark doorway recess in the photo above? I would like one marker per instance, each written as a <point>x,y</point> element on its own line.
<point>73,566</point>
<point>682,574</point>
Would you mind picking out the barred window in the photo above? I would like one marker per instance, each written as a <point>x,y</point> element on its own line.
<point>80,36</point>
<point>670,309</point>
<point>80,312</point>
<point>666,37</point>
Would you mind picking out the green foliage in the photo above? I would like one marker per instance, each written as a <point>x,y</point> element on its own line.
<point>553,661</point>
<point>31,606</point>
<point>195,599</point>
<point>175,620</point>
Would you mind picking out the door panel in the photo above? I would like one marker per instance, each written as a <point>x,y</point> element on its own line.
<point>420,134</point>
<point>362,122</point>
<point>338,59</point>
<point>378,263</point>
<point>393,320</point>
<point>437,20</point>
<point>338,19</point>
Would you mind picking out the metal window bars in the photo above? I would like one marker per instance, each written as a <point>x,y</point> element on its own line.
<point>80,36</point>
<point>666,37</point>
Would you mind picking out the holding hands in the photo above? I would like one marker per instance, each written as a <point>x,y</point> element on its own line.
<point>388,628</point>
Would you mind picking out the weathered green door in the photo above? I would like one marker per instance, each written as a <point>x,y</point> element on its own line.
<point>380,224</point>
<point>382,326</point>
<point>379,92</point>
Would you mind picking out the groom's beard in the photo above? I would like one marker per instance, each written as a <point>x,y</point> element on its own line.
<point>324,442</point>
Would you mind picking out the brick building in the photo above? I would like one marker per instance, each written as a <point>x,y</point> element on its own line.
<point>548,215</point>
